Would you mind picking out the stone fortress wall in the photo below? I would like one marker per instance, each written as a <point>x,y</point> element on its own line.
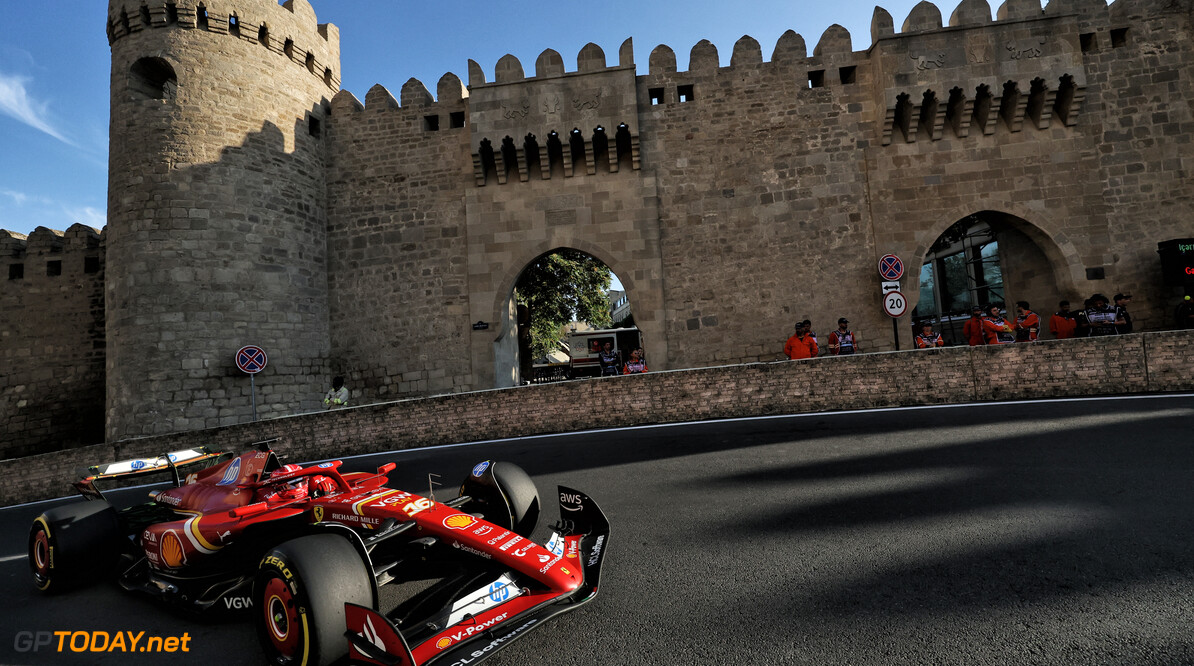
<point>254,202</point>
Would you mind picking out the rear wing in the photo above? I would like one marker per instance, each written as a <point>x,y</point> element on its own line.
<point>136,467</point>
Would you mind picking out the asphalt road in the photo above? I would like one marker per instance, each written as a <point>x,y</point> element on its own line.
<point>1030,533</point>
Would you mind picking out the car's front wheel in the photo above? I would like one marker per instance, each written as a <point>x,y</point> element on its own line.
<point>299,593</point>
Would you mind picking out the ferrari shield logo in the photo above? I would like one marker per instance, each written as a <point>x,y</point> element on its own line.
<point>319,514</point>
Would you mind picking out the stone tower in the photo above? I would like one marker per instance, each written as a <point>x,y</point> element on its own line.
<point>216,210</point>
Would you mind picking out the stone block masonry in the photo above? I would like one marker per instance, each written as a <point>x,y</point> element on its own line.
<point>1131,364</point>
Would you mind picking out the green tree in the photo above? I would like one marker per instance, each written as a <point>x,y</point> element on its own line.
<point>558,288</point>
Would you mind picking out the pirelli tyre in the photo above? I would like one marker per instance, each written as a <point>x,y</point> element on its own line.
<point>72,545</point>
<point>299,593</point>
<point>504,494</point>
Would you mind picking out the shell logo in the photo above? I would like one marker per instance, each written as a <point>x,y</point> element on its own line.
<point>459,521</point>
<point>172,551</point>
<point>443,642</point>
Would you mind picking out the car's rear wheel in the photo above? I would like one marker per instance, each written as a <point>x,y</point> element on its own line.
<point>299,594</point>
<point>74,544</point>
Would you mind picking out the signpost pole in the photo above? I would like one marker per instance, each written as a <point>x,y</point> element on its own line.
<point>253,392</point>
<point>895,332</point>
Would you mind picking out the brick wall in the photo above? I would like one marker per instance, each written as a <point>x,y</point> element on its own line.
<point>1140,363</point>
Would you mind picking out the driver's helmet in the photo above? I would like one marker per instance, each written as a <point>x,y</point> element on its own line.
<point>283,490</point>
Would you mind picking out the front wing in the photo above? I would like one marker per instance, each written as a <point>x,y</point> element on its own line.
<point>374,639</point>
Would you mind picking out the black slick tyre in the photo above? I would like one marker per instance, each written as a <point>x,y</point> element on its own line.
<point>73,545</point>
<point>298,598</point>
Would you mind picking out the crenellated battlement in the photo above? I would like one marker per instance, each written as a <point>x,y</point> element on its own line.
<point>290,30</point>
<point>79,249</point>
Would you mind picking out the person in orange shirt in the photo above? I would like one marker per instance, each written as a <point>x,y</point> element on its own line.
<point>1028,323</point>
<point>1062,323</point>
<point>927,338</point>
<point>972,330</point>
<point>801,344</point>
<point>998,331</point>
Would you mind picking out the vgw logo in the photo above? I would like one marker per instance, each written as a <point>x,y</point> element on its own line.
<point>499,592</point>
<point>238,602</point>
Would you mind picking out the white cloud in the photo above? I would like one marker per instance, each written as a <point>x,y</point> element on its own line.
<point>15,102</point>
<point>18,197</point>
<point>87,215</point>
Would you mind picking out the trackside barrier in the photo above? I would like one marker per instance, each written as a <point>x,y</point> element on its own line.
<point>1131,364</point>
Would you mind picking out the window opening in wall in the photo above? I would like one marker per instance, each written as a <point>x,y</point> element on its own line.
<point>146,20</point>
<point>509,157</point>
<point>953,110</point>
<point>124,21</point>
<point>577,143</point>
<point>1088,42</point>
<point>456,119</point>
<point>1119,37</point>
<point>816,78</point>
<point>1064,101</point>
<point>430,123</point>
<point>685,93</point>
<point>263,35</point>
<point>327,76</point>
<point>1097,273</point>
<point>171,13</point>
<point>982,107</point>
<point>314,127</point>
<point>201,17</point>
<point>54,268</point>
<point>903,117</point>
<point>234,26</point>
<point>288,48</point>
<point>555,155</point>
<point>1009,103</point>
<point>16,271</point>
<point>153,78</point>
<point>656,96</point>
<point>622,145</point>
<point>848,75</point>
<point>530,148</point>
<point>928,114</point>
<point>488,161</point>
<point>310,62</point>
<point>601,148</point>
<point>91,264</point>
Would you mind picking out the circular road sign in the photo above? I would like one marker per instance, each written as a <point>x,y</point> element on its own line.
<point>890,267</point>
<point>894,304</point>
<point>251,359</point>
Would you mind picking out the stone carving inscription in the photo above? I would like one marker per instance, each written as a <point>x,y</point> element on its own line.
<point>587,102</point>
<point>1023,52</point>
<point>933,61</point>
<point>520,110</point>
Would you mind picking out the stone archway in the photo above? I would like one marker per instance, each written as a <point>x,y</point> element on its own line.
<point>505,345</point>
<point>988,257</point>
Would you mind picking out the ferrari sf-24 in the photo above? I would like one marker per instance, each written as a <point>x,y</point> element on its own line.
<point>307,547</point>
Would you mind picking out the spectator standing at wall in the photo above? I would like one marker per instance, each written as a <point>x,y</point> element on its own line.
<point>972,330</point>
<point>1062,323</point>
<point>801,344</point>
<point>337,396</point>
<point>635,365</point>
<point>928,339</point>
<point>1121,313</point>
<point>1028,323</point>
<point>843,341</point>
<point>996,328</point>
<point>1101,318</point>
<point>609,360</point>
<point>808,330</point>
<point>1083,327</point>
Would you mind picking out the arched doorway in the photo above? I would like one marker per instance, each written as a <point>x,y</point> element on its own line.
<point>560,300</point>
<point>986,258</point>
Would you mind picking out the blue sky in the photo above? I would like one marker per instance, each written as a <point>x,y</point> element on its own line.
<point>54,67</point>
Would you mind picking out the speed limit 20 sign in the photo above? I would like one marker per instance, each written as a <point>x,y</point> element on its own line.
<point>894,304</point>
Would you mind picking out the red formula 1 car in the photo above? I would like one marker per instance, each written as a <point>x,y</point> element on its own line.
<point>306,549</point>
